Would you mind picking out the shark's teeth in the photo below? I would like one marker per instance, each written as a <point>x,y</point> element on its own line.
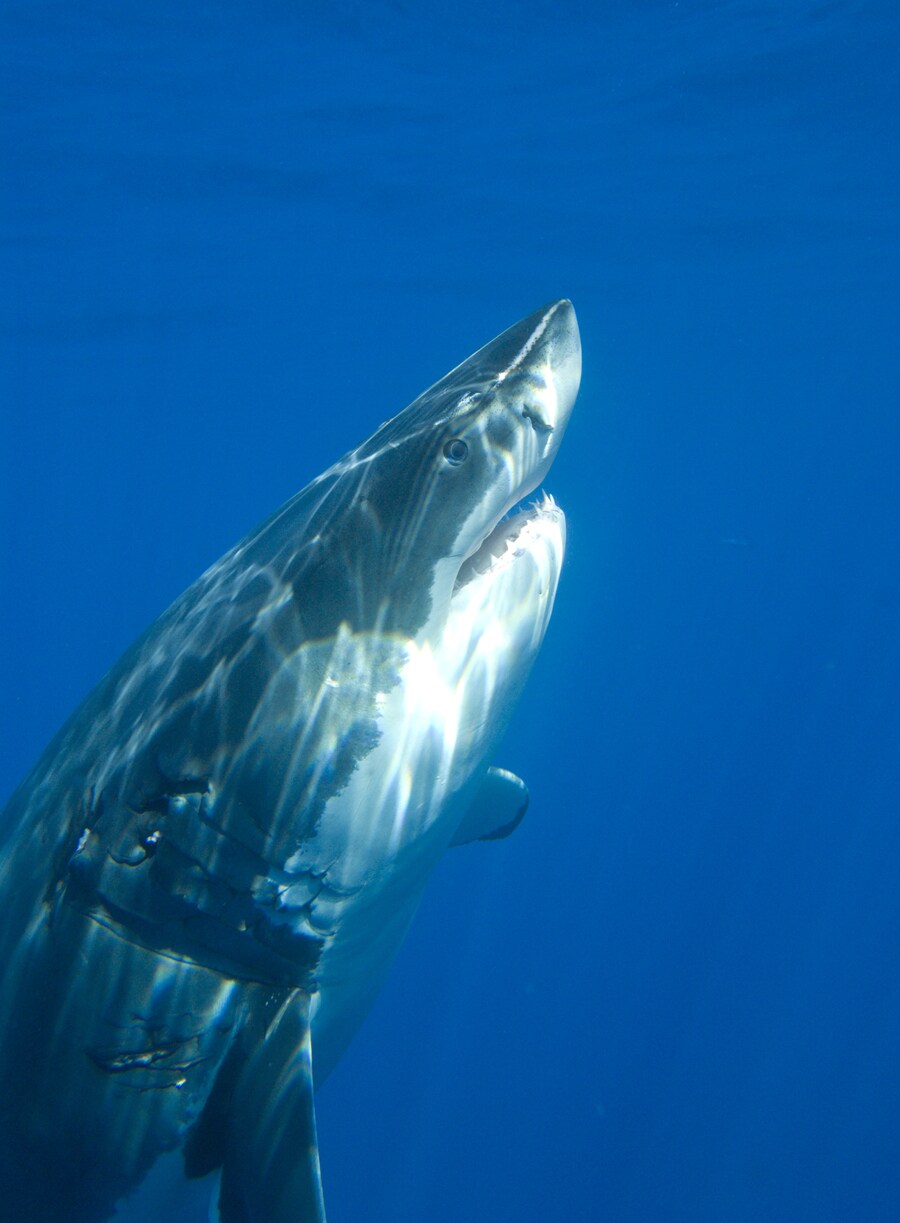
<point>503,540</point>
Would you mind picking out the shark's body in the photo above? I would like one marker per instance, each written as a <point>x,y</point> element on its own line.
<point>207,874</point>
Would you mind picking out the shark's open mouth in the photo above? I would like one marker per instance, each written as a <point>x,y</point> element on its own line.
<point>511,536</point>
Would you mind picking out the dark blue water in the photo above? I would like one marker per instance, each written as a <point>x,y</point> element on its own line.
<point>235,237</point>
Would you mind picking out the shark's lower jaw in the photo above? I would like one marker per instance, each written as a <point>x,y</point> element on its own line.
<point>515,533</point>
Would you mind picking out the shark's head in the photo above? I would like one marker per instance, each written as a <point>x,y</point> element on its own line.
<point>408,572</point>
<point>410,518</point>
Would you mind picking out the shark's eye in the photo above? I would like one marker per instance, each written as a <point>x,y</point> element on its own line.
<point>455,451</point>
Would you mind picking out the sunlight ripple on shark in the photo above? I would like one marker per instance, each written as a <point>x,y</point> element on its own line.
<point>207,874</point>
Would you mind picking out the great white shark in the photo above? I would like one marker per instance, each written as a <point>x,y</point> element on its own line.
<point>205,877</point>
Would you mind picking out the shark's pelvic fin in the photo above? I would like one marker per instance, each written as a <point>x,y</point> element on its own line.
<point>496,810</point>
<point>271,1170</point>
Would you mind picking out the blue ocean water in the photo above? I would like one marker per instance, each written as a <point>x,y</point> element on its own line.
<point>236,236</point>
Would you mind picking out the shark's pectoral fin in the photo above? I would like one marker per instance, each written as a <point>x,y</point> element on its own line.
<point>271,1169</point>
<point>496,810</point>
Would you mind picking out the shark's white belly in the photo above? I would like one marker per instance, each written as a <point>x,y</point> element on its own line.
<point>380,839</point>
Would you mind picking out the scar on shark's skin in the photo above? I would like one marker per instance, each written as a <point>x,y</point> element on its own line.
<point>206,876</point>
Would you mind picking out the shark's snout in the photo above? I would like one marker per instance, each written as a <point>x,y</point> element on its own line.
<point>541,357</point>
<point>563,355</point>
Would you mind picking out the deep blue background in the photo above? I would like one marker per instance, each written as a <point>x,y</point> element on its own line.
<point>237,235</point>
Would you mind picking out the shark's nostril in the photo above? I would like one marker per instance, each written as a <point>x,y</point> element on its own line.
<point>535,418</point>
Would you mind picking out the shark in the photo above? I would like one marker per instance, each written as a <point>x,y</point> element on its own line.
<point>205,877</point>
